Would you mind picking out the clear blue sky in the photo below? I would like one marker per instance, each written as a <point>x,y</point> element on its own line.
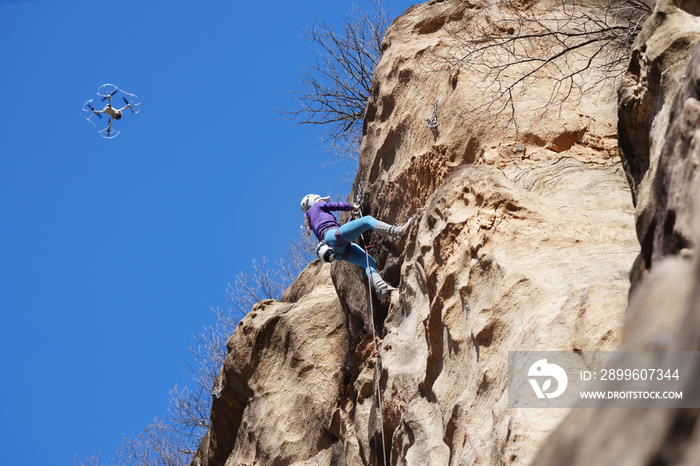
<point>114,251</point>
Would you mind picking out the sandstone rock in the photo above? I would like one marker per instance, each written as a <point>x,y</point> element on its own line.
<point>401,156</point>
<point>655,74</point>
<point>665,223</point>
<point>523,240</point>
<point>636,436</point>
<point>664,311</point>
<point>663,315</point>
<point>288,355</point>
<point>489,270</point>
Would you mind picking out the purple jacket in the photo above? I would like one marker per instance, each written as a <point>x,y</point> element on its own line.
<point>321,219</point>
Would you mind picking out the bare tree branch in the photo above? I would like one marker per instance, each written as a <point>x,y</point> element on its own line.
<point>93,460</point>
<point>337,84</point>
<point>156,445</point>
<point>561,46</point>
<point>189,409</point>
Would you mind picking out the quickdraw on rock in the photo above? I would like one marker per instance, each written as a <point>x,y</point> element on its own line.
<point>433,122</point>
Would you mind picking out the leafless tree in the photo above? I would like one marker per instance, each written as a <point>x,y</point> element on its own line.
<point>337,83</point>
<point>156,445</point>
<point>299,253</point>
<point>93,460</point>
<point>511,46</point>
<point>172,441</point>
<point>189,408</point>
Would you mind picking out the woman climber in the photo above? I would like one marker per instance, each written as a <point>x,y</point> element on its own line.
<point>339,239</point>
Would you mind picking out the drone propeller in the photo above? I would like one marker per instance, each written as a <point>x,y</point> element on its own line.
<point>128,105</point>
<point>110,95</point>
<point>99,115</point>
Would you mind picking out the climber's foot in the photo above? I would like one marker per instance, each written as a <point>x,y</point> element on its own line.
<point>404,229</point>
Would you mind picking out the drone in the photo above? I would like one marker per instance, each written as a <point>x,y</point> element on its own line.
<point>107,91</point>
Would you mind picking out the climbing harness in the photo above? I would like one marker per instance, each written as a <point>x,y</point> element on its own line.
<point>339,238</point>
<point>326,253</point>
<point>323,250</point>
<point>433,122</point>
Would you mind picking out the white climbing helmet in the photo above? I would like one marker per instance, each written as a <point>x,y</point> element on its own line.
<point>311,199</point>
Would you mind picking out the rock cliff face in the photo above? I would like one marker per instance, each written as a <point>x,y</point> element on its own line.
<point>661,91</point>
<point>524,240</point>
<point>656,72</point>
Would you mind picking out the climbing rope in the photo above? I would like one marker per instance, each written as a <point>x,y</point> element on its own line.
<point>378,367</point>
<point>476,453</point>
<point>377,354</point>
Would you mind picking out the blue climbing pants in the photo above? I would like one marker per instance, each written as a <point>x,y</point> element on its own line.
<point>350,232</point>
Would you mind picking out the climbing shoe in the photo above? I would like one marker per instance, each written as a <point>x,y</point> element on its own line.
<point>380,285</point>
<point>393,231</point>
